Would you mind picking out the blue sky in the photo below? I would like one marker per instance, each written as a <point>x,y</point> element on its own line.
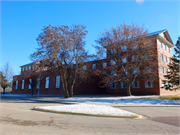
<point>22,21</point>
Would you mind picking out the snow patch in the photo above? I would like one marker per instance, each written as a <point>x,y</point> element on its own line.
<point>89,109</point>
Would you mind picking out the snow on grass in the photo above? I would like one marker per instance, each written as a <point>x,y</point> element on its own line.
<point>119,100</point>
<point>88,109</point>
<point>150,100</point>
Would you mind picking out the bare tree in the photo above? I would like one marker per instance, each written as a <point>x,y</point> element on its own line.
<point>63,48</point>
<point>6,76</point>
<point>34,76</point>
<point>131,55</point>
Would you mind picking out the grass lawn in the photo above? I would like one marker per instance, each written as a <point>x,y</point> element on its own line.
<point>174,97</point>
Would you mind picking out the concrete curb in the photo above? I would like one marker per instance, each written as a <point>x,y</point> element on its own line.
<point>88,114</point>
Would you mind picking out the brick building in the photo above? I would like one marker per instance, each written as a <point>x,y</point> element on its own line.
<point>52,85</point>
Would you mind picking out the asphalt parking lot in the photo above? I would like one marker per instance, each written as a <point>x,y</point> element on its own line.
<point>18,118</point>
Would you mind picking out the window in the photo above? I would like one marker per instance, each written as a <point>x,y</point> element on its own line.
<point>93,66</point>
<point>22,84</point>
<point>113,85</point>
<point>113,72</point>
<point>33,67</point>
<point>29,67</point>
<point>148,69</point>
<point>113,50</point>
<point>47,83</point>
<point>169,61</point>
<point>164,46</point>
<point>148,57</point>
<point>30,81</point>
<point>104,65</point>
<point>136,84</point>
<point>169,71</point>
<point>161,56</point>
<point>123,85</point>
<point>162,70</point>
<point>162,83</point>
<point>148,84</point>
<point>85,68</point>
<point>124,60</point>
<point>160,44</point>
<point>22,69</point>
<point>26,68</point>
<point>166,71</point>
<point>135,71</point>
<point>16,86</point>
<point>135,58</point>
<point>113,62</point>
<point>57,81</point>
<point>38,83</point>
<point>124,48</point>
<point>168,49</point>
<point>165,59</point>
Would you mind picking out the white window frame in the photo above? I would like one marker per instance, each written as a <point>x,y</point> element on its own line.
<point>93,66</point>
<point>147,86</point>
<point>169,60</point>
<point>166,71</point>
<point>23,69</point>
<point>138,84</point>
<point>33,67</point>
<point>26,68</point>
<point>29,86</point>
<point>29,67</point>
<point>162,70</point>
<point>104,65</point>
<point>47,83</point>
<point>22,86</point>
<point>161,56</point>
<point>58,81</point>
<point>164,46</point>
<point>38,83</point>
<point>160,44</point>
<point>114,85</point>
<point>165,58</point>
<point>123,86</point>
<point>16,85</point>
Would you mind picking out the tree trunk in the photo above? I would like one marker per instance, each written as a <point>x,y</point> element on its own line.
<point>128,90</point>
<point>64,83</point>
<point>4,90</point>
<point>32,91</point>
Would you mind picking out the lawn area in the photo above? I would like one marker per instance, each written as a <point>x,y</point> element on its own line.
<point>174,97</point>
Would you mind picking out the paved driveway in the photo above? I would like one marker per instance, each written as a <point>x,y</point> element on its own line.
<point>18,118</point>
<point>168,115</point>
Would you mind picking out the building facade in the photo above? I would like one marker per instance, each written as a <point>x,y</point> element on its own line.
<point>52,85</point>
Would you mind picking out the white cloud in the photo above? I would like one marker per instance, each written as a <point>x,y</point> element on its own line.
<point>140,1</point>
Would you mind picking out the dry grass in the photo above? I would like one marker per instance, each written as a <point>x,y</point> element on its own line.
<point>174,97</point>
